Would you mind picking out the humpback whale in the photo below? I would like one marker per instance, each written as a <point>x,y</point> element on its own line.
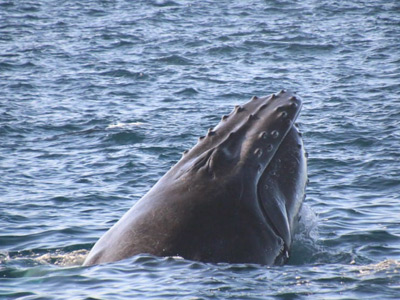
<point>234,197</point>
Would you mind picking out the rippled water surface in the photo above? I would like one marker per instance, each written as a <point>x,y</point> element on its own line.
<point>98,99</point>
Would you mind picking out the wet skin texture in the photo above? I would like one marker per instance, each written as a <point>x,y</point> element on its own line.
<point>234,197</point>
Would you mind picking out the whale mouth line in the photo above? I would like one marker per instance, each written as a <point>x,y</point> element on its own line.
<point>272,225</point>
<point>260,199</point>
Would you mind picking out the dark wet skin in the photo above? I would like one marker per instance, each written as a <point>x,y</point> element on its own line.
<point>234,197</point>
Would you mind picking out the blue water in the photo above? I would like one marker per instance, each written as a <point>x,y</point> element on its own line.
<point>98,99</point>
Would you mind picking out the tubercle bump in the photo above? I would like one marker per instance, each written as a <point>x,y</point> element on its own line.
<point>252,117</point>
<point>258,152</point>
<point>280,108</point>
<point>283,114</point>
<point>263,135</point>
<point>210,132</point>
<point>268,139</point>
<point>238,109</point>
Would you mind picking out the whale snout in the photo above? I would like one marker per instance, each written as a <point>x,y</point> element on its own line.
<point>270,121</point>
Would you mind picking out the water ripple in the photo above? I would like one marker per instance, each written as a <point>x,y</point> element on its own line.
<point>100,98</point>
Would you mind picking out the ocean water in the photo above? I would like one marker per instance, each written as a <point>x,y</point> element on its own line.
<point>98,99</point>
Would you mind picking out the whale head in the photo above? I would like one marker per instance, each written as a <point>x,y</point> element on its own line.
<point>234,197</point>
<point>245,142</point>
<point>257,154</point>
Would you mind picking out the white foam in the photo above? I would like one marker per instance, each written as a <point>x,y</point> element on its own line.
<point>74,258</point>
<point>387,266</point>
<point>124,125</point>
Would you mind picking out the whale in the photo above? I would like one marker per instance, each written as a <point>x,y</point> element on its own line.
<point>235,197</point>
